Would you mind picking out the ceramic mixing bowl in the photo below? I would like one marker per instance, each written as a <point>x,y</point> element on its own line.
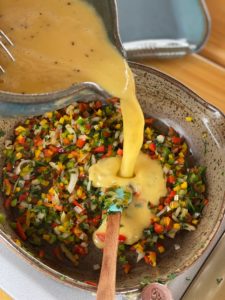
<point>168,100</point>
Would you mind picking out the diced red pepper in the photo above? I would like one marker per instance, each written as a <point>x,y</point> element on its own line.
<point>41,253</point>
<point>96,220</point>
<point>57,252</point>
<point>76,203</point>
<point>149,121</point>
<point>106,133</point>
<point>120,152</point>
<point>122,238</point>
<point>126,268</point>
<point>21,139</point>
<point>38,141</point>
<point>99,149</point>
<point>158,228</point>
<point>7,202</point>
<point>171,179</point>
<point>23,197</point>
<point>59,207</point>
<point>98,104</point>
<point>8,167</point>
<point>48,152</point>
<point>176,140</point>
<point>80,143</point>
<point>80,250</point>
<point>150,258</point>
<point>152,147</point>
<point>20,231</point>
<point>90,283</point>
<point>109,152</point>
<point>83,106</point>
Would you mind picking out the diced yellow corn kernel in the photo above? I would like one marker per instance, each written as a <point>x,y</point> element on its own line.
<point>43,122</point>
<point>184,185</point>
<point>19,155</point>
<point>20,129</point>
<point>189,119</point>
<point>176,188</point>
<point>174,204</point>
<point>195,222</point>
<point>176,226</point>
<point>161,249</point>
<point>61,120</point>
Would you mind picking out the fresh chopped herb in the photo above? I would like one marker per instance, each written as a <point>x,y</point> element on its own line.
<point>219,280</point>
<point>2,133</point>
<point>2,218</point>
<point>171,276</point>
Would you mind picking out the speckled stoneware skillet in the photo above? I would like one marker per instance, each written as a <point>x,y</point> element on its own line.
<point>166,99</point>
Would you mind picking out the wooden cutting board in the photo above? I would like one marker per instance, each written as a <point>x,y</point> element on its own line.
<point>4,296</point>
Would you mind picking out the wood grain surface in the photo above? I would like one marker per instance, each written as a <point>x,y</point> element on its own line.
<point>215,47</point>
<point>204,77</point>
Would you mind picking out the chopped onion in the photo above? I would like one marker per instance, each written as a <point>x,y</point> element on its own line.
<point>140,256</point>
<point>176,247</point>
<point>72,183</point>
<point>8,144</point>
<point>96,267</point>
<point>54,165</point>
<point>24,161</point>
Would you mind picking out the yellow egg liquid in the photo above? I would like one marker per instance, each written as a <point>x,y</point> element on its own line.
<point>59,43</point>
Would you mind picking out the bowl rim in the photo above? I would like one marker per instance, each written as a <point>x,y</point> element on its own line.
<point>40,266</point>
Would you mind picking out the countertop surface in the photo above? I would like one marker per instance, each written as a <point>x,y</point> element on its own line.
<point>204,73</point>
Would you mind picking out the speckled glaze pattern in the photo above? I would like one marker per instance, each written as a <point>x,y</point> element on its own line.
<point>168,100</point>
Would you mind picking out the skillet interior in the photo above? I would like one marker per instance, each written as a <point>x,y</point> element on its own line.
<point>169,101</point>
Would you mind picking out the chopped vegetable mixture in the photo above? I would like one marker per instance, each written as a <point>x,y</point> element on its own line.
<point>53,203</point>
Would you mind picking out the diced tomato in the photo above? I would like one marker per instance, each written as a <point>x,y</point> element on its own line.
<point>176,140</point>
<point>80,143</point>
<point>158,228</point>
<point>120,152</point>
<point>20,231</point>
<point>99,149</point>
<point>152,147</point>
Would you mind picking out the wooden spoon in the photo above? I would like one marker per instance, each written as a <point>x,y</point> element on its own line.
<point>107,280</point>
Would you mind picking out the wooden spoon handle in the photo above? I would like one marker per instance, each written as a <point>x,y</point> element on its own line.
<point>107,280</point>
